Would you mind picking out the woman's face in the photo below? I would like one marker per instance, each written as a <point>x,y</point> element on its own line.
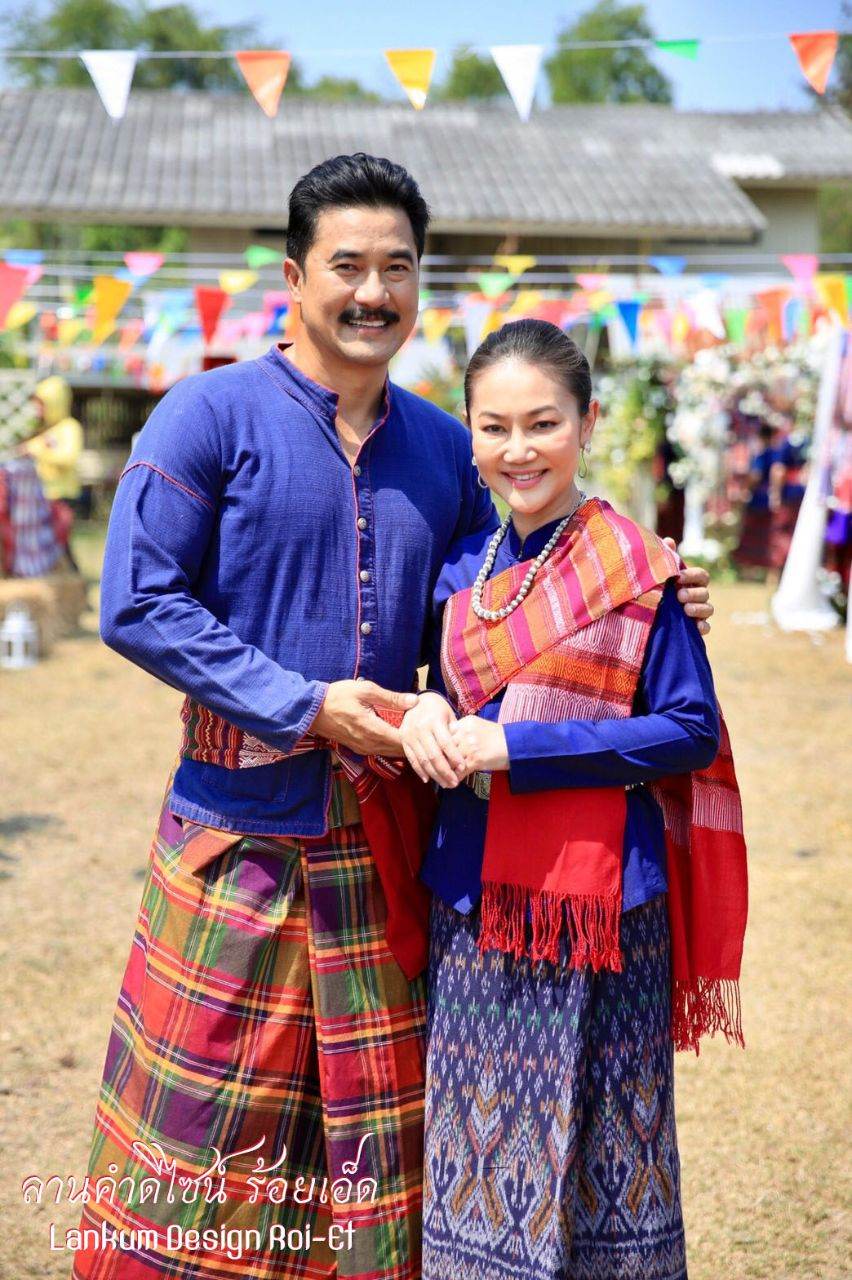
<point>527,435</point>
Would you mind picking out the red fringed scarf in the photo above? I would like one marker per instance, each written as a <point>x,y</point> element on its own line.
<point>574,649</point>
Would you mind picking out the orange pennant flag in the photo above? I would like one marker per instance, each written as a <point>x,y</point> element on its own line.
<point>413,69</point>
<point>109,296</point>
<point>816,52</point>
<point>265,73</point>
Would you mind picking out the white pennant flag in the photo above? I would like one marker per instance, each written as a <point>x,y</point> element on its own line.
<point>474,314</point>
<point>519,65</point>
<point>112,72</point>
<point>705,309</point>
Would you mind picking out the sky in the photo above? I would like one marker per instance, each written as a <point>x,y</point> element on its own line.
<point>339,37</point>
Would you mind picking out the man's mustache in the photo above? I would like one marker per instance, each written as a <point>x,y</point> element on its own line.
<point>352,317</point>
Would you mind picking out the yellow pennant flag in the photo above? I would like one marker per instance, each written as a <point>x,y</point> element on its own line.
<point>599,298</point>
<point>69,330</point>
<point>413,69</point>
<point>19,314</point>
<point>525,301</point>
<point>492,324</point>
<point>515,263</point>
<point>109,296</point>
<point>236,281</point>
<point>680,327</point>
<point>831,291</point>
<point>435,321</point>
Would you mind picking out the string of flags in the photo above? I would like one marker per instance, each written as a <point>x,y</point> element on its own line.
<point>265,70</point>
<point>728,307</point>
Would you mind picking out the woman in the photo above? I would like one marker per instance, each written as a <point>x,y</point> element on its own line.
<point>560,898</point>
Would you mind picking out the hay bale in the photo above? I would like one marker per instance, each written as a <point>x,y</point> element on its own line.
<point>55,603</point>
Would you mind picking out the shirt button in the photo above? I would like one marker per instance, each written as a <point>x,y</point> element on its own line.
<point>364,575</point>
<point>356,470</point>
<point>362,522</point>
<point>366,628</point>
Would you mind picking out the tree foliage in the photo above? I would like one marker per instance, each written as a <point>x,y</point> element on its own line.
<point>607,75</point>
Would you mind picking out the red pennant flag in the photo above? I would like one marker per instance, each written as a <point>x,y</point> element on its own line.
<point>816,51</point>
<point>210,304</point>
<point>265,72</point>
<point>13,282</point>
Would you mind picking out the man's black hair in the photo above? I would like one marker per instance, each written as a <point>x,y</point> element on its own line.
<point>346,182</point>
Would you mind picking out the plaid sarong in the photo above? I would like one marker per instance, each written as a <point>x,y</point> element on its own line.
<point>267,1061</point>
<point>30,542</point>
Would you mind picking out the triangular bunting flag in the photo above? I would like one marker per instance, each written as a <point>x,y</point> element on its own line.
<point>143,264</point>
<point>69,330</point>
<point>735,323</point>
<point>23,257</point>
<point>515,263</point>
<point>705,310</point>
<point>236,281</point>
<point>265,73</point>
<point>210,303</point>
<point>13,282</point>
<point>668,264</point>
<point>802,266</point>
<point>525,301</point>
<point>20,313</point>
<point>683,48</point>
<point>831,290</point>
<point>112,72</point>
<point>790,318</point>
<point>108,297</point>
<point>519,65</point>
<point>475,312</point>
<point>413,69</point>
<point>816,51</point>
<point>628,309</point>
<point>494,283</point>
<point>257,256</point>
<point>435,322</point>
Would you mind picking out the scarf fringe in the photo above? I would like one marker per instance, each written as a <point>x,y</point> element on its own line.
<point>589,921</point>
<point>703,1007</point>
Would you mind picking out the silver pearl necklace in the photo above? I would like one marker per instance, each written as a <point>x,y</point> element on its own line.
<point>494,615</point>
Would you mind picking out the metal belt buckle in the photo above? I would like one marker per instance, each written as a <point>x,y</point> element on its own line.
<point>480,784</point>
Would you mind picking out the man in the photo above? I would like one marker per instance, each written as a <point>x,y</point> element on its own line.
<point>272,551</point>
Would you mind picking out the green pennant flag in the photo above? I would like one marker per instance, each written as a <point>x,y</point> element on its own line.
<point>683,48</point>
<point>494,283</point>
<point>257,255</point>
<point>83,295</point>
<point>849,291</point>
<point>735,323</point>
<point>804,323</point>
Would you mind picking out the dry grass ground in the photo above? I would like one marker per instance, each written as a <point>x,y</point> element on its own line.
<point>87,744</point>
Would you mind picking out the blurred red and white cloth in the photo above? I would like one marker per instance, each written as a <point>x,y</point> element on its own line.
<point>32,535</point>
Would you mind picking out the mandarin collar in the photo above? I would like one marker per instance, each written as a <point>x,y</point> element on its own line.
<point>528,548</point>
<point>313,395</point>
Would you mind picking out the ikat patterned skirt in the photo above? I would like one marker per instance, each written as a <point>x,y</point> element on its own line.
<point>550,1149</point>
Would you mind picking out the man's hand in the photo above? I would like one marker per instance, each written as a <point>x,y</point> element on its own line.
<point>428,744</point>
<point>482,743</point>
<point>347,716</point>
<point>693,593</point>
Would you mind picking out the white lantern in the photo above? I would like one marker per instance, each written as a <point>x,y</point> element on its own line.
<point>19,639</point>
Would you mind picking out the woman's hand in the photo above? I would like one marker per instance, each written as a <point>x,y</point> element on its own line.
<point>428,743</point>
<point>482,744</point>
<point>693,593</point>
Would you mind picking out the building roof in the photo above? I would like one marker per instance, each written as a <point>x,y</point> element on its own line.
<point>214,159</point>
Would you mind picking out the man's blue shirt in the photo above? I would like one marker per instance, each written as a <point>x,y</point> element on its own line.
<point>248,564</point>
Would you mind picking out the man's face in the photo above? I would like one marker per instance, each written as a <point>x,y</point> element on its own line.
<point>360,284</point>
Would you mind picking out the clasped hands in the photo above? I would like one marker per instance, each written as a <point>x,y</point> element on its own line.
<point>445,750</point>
<point>438,747</point>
